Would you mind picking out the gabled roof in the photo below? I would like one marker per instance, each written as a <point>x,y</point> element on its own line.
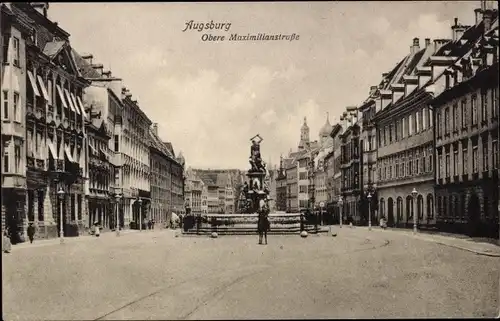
<point>85,68</point>
<point>170,148</point>
<point>158,144</point>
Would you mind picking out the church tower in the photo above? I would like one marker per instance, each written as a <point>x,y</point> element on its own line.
<point>304,135</point>
<point>324,133</point>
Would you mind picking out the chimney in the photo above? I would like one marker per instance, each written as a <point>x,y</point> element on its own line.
<point>479,15</point>
<point>487,18</point>
<point>88,58</point>
<point>415,47</point>
<point>457,30</point>
<point>155,128</point>
<point>107,74</point>
<point>427,42</point>
<point>373,90</point>
<point>98,68</point>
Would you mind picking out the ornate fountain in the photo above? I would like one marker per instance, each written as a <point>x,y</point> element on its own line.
<point>255,190</point>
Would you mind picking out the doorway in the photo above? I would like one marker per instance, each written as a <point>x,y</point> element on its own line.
<point>390,212</point>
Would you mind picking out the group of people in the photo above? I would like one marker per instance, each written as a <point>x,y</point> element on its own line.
<point>6,241</point>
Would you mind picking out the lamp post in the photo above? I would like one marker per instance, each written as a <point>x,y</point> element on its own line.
<point>117,227</point>
<point>369,211</point>
<point>341,202</point>
<point>60,194</point>
<point>414,193</point>
<point>161,215</point>
<point>140,214</point>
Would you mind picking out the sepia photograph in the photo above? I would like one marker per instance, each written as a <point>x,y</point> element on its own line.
<point>250,160</point>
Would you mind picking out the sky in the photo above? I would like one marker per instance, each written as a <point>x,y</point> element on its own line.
<point>210,98</point>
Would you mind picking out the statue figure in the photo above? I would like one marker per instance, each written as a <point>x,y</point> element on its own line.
<point>255,158</point>
<point>256,185</point>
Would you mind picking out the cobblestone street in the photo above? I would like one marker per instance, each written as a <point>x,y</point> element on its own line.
<point>155,275</point>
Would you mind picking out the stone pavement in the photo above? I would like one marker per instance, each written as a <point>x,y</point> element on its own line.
<point>459,241</point>
<point>155,275</point>
<point>83,238</point>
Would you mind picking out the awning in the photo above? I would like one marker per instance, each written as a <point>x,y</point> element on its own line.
<point>52,149</point>
<point>33,83</point>
<point>79,100</point>
<point>70,103</point>
<point>73,100</point>
<point>44,90</point>
<point>61,96</point>
<point>68,154</point>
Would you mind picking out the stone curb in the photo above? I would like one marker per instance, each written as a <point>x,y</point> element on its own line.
<point>478,252</point>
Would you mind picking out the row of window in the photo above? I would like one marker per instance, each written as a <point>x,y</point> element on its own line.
<point>451,154</point>
<point>406,164</point>
<point>458,116</point>
<point>350,150</point>
<point>407,126</point>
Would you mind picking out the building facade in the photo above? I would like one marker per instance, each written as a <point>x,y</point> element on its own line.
<point>351,170</point>
<point>162,178</point>
<point>42,92</point>
<point>466,139</point>
<point>15,34</point>
<point>281,196</point>
<point>103,103</point>
<point>134,144</point>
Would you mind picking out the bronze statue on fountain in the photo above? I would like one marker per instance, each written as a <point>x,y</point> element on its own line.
<point>255,190</point>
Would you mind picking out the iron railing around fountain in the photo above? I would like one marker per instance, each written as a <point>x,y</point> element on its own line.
<point>239,224</point>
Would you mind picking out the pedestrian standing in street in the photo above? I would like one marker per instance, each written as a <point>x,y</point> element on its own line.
<point>97,230</point>
<point>149,224</point>
<point>7,245</point>
<point>31,232</point>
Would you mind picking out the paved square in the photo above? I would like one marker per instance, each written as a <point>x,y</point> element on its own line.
<point>154,275</point>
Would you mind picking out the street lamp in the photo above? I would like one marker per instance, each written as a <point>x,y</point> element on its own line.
<point>161,215</point>
<point>60,194</point>
<point>414,193</point>
<point>140,214</point>
<point>369,211</point>
<point>341,202</point>
<point>117,227</point>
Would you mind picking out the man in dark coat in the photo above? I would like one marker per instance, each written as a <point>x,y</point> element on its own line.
<point>31,232</point>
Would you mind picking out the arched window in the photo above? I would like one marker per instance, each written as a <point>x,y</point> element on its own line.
<point>456,207</point>
<point>440,207</point>
<point>399,208</point>
<point>486,207</point>
<point>430,207</point>
<point>409,208</point>
<point>382,207</point>
<point>420,207</point>
<point>445,207</point>
<point>463,206</point>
